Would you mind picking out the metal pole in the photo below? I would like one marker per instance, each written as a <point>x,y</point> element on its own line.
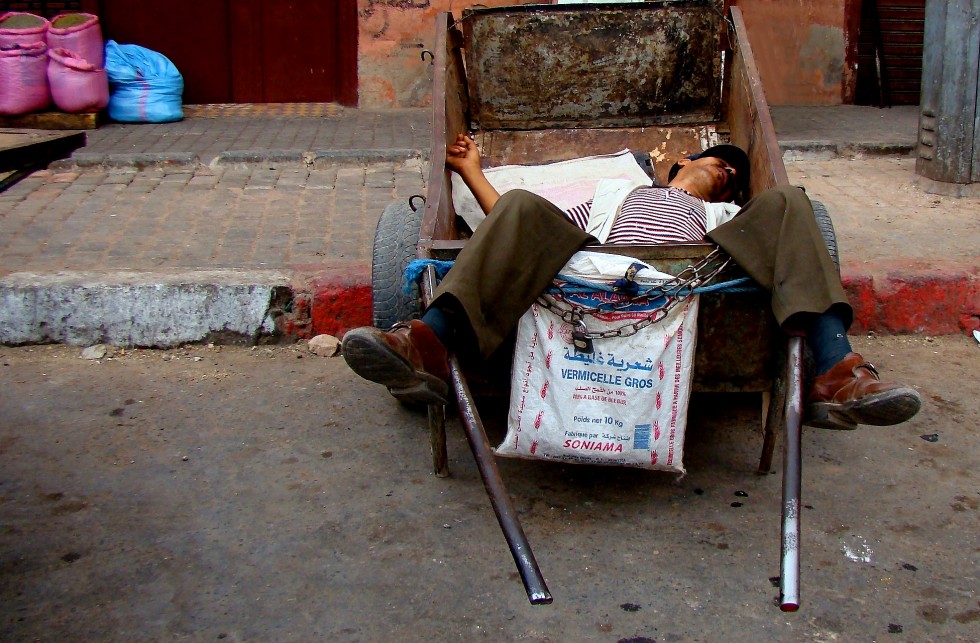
<point>527,566</point>
<point>437,412</point>
<point>789,567</point>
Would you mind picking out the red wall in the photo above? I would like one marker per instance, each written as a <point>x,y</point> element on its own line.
<point>801,48</point>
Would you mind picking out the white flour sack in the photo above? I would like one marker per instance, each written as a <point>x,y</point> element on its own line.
<point>623,404</point>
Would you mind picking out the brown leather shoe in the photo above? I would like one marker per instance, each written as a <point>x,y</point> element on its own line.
<point>409,359</point>
<point>850,394</point>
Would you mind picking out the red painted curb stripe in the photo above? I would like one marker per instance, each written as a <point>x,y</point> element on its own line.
<point>892,299</point>
<point>933,299</point>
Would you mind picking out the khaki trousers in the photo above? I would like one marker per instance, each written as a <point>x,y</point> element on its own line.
<point>525,240</point>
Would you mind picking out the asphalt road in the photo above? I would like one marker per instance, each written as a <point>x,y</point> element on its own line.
<point>267,494</point>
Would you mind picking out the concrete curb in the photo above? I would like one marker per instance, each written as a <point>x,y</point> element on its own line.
<point>318,158</point>
<point>299,158</point>
<point>825,150</point>
<point>325,157</point>
<point>230,306</point>
<point>138,309</point>
<point>234,157</point>
<point>128,308</point>
<point>141,160</point>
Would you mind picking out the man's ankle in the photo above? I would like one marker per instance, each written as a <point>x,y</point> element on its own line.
<point>441,323</point>
<point>827,337</point>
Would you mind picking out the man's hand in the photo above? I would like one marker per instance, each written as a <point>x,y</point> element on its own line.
<point>463,157</point>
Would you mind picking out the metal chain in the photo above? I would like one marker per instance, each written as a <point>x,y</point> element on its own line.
<point>673,291</point>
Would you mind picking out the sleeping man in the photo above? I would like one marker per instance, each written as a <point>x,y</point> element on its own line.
<point>525,240</point>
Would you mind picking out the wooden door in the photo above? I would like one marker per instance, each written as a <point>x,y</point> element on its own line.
<point>193,34</point>
<point>294,51</point>
<point>895,29</point>
<point>246,51</point>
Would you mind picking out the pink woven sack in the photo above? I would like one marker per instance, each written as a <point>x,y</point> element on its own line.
<point>81,33</point>
<point>24,79</point>
<point>18,28</point>
<point>76,85</point>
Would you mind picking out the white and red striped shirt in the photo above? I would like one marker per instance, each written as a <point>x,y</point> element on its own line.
<point>652,215</point>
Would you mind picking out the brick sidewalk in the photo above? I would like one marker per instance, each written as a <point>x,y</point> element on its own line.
<point>274,217</point>
<point>248,217</point>
<point>206,139</point>
<point>806,131</point>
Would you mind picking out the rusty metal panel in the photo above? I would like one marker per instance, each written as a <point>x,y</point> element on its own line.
<point>607,65</point>
<point>737,343</point>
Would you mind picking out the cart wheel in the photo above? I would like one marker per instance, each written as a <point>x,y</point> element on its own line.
<point>827,230</point>
<point>395,242</point>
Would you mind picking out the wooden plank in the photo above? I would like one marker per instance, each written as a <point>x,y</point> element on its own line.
<point>913,13</point>
<point>908,75</point>
<point>748,114</point>
<point>20,148</point>
<point>532,147</point>
<point>448,118</point>
<point>905,50</point>
<point>903,38</point>
<point>53,121</point>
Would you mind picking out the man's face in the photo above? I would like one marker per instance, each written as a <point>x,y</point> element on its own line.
<point>713,176</point>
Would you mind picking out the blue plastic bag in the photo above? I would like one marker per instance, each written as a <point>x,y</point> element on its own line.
<point>144,86</point>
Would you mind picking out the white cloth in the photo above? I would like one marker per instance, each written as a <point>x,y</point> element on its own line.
<point>719,213</point>
<point>565,183</point>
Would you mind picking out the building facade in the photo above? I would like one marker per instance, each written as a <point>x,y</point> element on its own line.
<point>369,52</point>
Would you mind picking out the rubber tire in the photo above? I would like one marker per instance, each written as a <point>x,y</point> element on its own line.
<point>827,230</point>
<point>395,242</point>
<point>826,227</point>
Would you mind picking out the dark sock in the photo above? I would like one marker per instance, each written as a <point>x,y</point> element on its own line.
<point>441,324</point>
<point>827,337</point>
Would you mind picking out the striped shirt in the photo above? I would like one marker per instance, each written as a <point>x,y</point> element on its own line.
<point>652,215</point>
